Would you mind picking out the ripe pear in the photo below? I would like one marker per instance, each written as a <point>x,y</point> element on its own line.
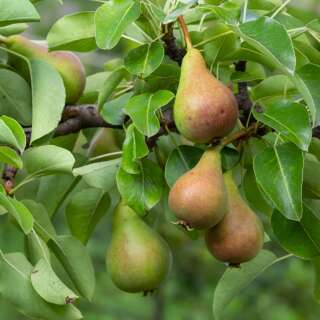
<point>239,236</point>
<point>204,108</point>
<point>138,259</point>
<point>65,62</point>
<point>199,198</point>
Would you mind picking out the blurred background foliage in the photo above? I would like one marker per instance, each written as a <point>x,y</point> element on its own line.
<point>284,292</point>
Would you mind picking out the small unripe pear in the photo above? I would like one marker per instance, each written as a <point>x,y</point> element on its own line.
<point>199,198</point>
<point>138,259</point>
<point>239,236</point>
<point>65,62</point>
<point>204,108</point>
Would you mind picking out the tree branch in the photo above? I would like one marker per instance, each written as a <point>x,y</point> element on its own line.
<point>75,118</point>
<point>171,48</point>
<point>244,101</point>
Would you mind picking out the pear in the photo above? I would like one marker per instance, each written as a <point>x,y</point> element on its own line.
<point>65,62</point>
<point>239,236</point>
<point>199,198</point>
<point>204,107</point>
<point>138,259</point>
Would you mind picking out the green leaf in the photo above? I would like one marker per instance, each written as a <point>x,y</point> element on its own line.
<point>307,80</point>
<point>254,71</point>
<point>112,111</point>
<point>166,77</point>
<point>15,97</point>
<point>9,156</point>
<point>13,11</point>
<point>145,59</point>
<point>278,86</point>
<point>144,190</point>
<point>13,29</point>
<point>76,261</point>
<point>316,290</point>
<point>18,211</point>
<point>272,39</point>
<point>109,86</point>
<point>99,175</point>
<point>84,211</point>
<point>48,159</point>
<point>16,137</point>
<point>181,160</point>
<point>179,9</point>
<point>249,53</point>
<point>230,157</point>
<point>227,11</point>
<point>288,118</point>
<point>134,148</point>
<point>47,105</point>
<point>16,269</point>
<point>234,280</point>
<point>42,222</point>
<point>253,194</point>
<point>311,177</point>
<point>94,84</point>
<point>142,108</point>
<point>278,172</point>
<point>222,43</point>
<point>300,238</point>
<point>308,50</point>
<point>36,248</point>
<point>80,35</point>
<point>264,5</point>
<point>315,147</point>
<point>48,286</point>
<point>111,20</point>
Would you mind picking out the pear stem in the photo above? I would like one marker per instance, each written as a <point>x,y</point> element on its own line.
<point>247,132</point>
<point>185,32</point>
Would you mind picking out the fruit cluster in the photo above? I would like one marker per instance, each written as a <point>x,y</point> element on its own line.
<point>203,198</point>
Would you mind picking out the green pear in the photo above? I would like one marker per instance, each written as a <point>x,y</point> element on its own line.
<point>198,198</point>
<point>65,62</point>
<point>138,259</point>
<point>204,108</point>
<point>239,236</point>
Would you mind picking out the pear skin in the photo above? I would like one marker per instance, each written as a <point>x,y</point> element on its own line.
<point>204,108</point>
<point>239,236</point>
<point>65,62</point>
<point>72,72</point>
<point>199,198</point>
<point>138,259</point>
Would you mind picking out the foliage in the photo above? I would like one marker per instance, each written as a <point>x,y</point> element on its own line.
<point>267,51</point>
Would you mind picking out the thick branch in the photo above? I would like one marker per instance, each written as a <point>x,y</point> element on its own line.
<point>171,48</point>
<point>75,118</point>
